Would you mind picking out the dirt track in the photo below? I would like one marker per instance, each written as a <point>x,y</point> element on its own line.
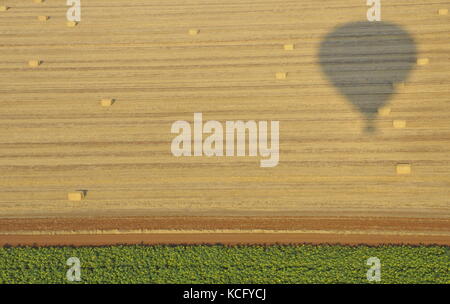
<point>220,223</point>
<point>332,176</point>
<point>244,230</point>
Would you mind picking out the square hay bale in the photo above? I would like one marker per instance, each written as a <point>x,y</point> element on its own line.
<point>43,18</point>
<point>289,47</point>
<point>3,8</point>
<point>443,11</point>
<point>399,124</point>
<point>403,169</point>
<point>194,32</point>
<point>384,111</point>
<point>281,75</point>
<point>71,23</point>
<point>106,102</point>
<point>75,196</point>
<point>423,61</point>
<point>34,63</point>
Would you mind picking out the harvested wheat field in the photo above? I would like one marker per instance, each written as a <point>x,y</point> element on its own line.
<point>87,111</point>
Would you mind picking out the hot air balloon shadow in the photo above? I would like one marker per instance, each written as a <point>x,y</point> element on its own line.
<point>364,60</point>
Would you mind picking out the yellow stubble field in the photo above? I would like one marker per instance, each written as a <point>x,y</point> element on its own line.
<point>163,61</point>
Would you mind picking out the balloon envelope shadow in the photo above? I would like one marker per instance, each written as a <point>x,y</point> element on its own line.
<point>364,60</point>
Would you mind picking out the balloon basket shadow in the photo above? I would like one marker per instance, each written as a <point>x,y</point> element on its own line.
<point>370,129</point>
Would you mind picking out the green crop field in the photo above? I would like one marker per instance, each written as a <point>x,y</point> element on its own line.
<point>221,264</point>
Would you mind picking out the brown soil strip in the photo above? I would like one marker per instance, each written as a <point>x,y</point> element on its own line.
<point>371,231</point>
<point>218,223</point>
